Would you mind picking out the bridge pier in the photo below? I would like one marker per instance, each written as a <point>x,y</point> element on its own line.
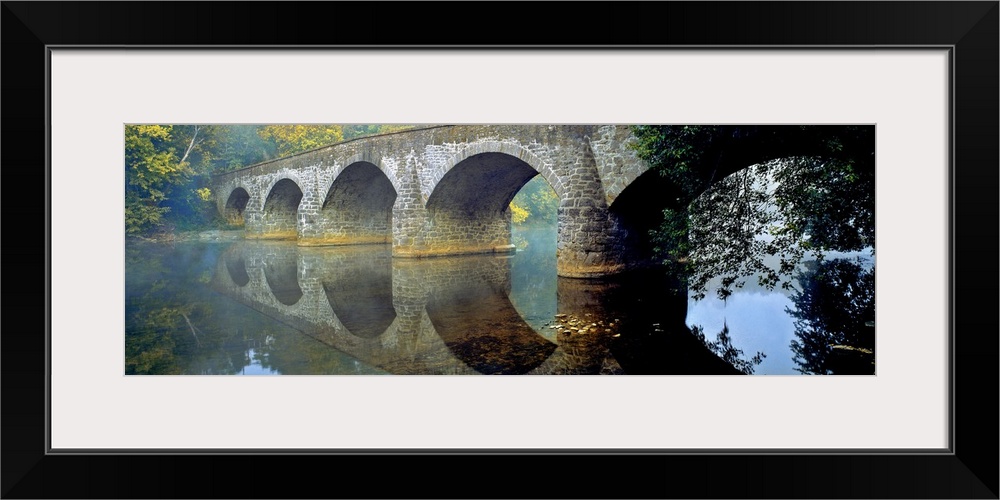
<point>587,243</point>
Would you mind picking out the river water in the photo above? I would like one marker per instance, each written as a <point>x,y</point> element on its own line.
<point>263,308</point>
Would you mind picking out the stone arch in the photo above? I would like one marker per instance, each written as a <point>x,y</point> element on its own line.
<point>356,207</point>
<point>236,204</point>
<point>369,156</point>
<point>280,208</point>
<point>512,149</point>
<point>618,162</point>
<point>621,181</point>
<point>469,207</point>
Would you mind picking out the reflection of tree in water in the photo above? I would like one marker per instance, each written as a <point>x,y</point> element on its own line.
<point>175,324</point>
<point>835,318</point>
<point>723,347</point>
<point>649,309</point>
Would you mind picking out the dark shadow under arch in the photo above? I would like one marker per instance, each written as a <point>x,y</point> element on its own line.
<point>237,268</point>
<point>360,294</point>
<point>480,185</point>
<point>639,210</point>
<point>282,276</point>
<point>358,205</point>
<point>235,205</point>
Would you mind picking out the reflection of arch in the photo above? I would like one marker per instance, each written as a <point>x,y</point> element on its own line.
<point>282,276</point>
<point>360,295</point>
<point>365,309</point>
<point>236,203</point>
<point>480,327</point>
<point>281,209</point>
<point>237,268</point>
<point>358,205</point>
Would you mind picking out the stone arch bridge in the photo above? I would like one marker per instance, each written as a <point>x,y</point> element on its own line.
<point>445,190</point>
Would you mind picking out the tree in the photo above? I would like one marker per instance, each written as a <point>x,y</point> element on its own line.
<point>151,171</point>
<point>734,195</point>
<point>166,172</point>
<point>518,214</point>
<point>241,146</point>
<point>536,203</point>
<point>354,131</point>
<point>292,139</point>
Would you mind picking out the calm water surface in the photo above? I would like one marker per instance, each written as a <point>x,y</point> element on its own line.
<point>260,308</point>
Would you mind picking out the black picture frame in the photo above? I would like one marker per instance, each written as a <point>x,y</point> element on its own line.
<point>969,470</point>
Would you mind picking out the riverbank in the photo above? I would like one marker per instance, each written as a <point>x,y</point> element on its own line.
<point>209,235</point>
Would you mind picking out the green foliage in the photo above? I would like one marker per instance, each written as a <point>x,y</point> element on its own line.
<point>152,169</point>
<point>141,215</point>
<point>738,195</point>
<point>518,214</point>
<point>728,230</point>
<point>679,154</point>
<point>165,167</point>
<point>241,146</point>
<point>535,204</point>
<point>354,131</point>
<point>292,139</point>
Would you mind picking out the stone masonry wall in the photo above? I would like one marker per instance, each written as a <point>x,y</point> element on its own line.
<point>445,197</point>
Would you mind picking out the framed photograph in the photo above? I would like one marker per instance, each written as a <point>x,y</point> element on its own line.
<point>912,84</point>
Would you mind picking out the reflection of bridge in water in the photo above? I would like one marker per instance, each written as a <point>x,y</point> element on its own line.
<point>444,315</point>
